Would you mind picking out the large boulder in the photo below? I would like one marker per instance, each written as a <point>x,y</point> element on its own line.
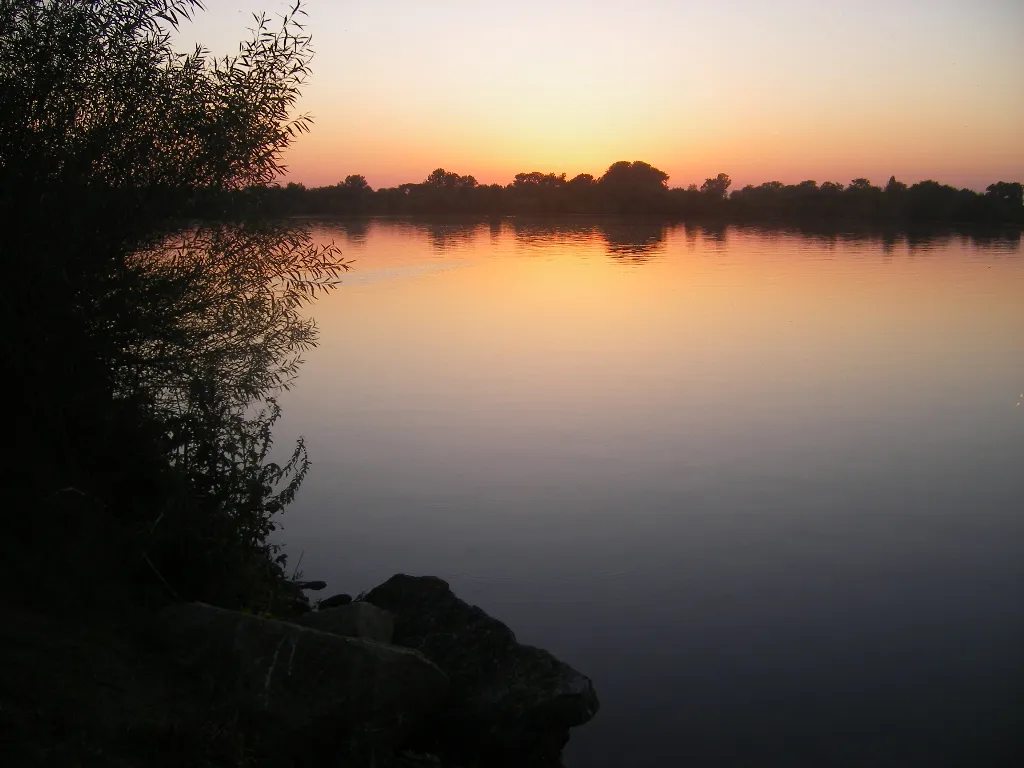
<point>354,620</point>
<point>334,601</point>
<point>510,704</point>
<point>311,687</point>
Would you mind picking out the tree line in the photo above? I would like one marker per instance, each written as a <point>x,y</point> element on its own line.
<point>640,188</point>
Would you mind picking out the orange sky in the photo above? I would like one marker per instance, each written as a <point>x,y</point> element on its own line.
<point>786,90</point>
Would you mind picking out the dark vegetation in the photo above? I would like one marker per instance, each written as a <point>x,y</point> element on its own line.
<point>143,346</point>
<point>639,188</point>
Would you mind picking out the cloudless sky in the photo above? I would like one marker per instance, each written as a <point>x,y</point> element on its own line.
<point>787,90</point>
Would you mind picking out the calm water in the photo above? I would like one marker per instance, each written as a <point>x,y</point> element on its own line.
<point>765,490</point>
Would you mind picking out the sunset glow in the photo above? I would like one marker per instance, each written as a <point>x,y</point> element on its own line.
<point>787,90</point>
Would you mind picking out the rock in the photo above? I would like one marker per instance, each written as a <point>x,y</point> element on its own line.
<point>334,601</point>
<point>510,704</point>
<point>314,688</point>
<point>314,586</point>
<point>353,620</point>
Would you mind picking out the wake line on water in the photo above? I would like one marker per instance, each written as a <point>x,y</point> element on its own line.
<point>371,276</point>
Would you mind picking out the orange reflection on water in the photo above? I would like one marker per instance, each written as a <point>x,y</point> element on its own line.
<point>644,323</point>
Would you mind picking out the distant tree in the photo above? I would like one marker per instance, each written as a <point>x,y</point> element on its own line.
<point>627,187</point>
<point>441,192</point>
<point>1006,201</point>
<point>537,192</point>
<point>442,179</point>
<point>1008,194</point>
<point>637,187</point>
<point>356,183</point>
<point>538,179</point>
<point>353,195</point>
<point>861,185</point>
<point>583,180</point>
<point>582,191</point>
<point>930,201</point>
<point>718,187</point>
<point>863,199</point>
<point>638,176</point>
<point>894,187</point>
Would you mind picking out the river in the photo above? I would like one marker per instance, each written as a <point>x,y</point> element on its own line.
<point>765,489</point>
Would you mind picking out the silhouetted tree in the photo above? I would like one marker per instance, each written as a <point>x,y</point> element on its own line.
<point>636,175</point>
<point>634,187</point>
<point>894,187</point>
<point>718,187</point>
<point>638,187</point>
<point>447,180</point>
<point>863,199</point>
<point>537,192</point>
<point>356,183</point>
<point>1007,199</point>
<point>140,338</point>
<point>583,192</point>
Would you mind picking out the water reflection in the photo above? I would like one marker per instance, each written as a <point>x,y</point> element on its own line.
<point>449,235</point>
<point>355,230</point>
<point>998,242</point>
<point>883,241</point>
<point>639,240</point>
<point>714,235</point>
<point>635,241</point>
<point>769,500</point>
<point>530,233</point>
<point>624,239</point>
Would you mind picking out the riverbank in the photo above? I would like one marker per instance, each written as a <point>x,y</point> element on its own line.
<point>408,675</point>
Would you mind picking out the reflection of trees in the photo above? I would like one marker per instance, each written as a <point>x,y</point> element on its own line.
<point>535,232</point>
<point>355,229</point>
<point>924,240</point>
<point>716,235</point>
<point>448,235</point>
<point>888,243</point>
<point>634,241</point>
<point>1003,242</point>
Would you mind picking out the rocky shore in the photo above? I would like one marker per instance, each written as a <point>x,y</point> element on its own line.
<point>408,674</point>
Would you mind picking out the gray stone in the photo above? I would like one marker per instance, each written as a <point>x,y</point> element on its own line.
<point>353,620</point>
<point>512,703</point>
<point>304,679</point>
<point>334,601</point>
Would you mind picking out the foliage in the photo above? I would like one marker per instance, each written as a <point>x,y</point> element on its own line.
<point>640,188</point>
<point>718,187</point>
<point>95,93</point>
<point>148,320</point>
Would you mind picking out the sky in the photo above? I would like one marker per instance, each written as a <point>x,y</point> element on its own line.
<point>785,90</point>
